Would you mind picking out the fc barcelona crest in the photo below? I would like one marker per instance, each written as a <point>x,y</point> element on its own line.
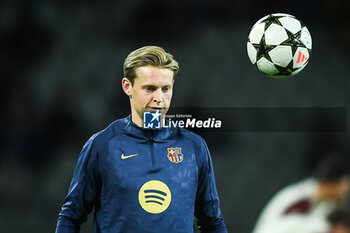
<point>175,155</point>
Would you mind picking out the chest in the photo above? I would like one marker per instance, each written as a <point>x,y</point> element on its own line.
<point>130,164</point>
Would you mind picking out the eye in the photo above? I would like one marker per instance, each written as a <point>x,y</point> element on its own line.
<point>149,88</point>
<point>166,89</point>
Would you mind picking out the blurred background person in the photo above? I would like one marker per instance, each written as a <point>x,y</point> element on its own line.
<point>303,207</point>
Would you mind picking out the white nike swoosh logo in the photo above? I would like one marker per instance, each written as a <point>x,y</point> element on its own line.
<point>127,156</point>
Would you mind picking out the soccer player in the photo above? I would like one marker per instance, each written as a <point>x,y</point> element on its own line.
<point>144,180</point>
<point>303,207</point>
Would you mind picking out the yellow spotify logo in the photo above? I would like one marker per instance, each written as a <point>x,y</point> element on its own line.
<point>154,196</point>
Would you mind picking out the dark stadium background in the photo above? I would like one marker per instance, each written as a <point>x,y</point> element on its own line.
<point>61,67</point>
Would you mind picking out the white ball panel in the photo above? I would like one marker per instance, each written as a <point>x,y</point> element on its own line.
<point>266,66</point>
<point>305,37</point>
<point>281,55</point>
<point>251,52</point>
<point>257,33</point>
<point>291,24</point>
<point>301,57</point>
<point>298,70</point>
<point>282,14</point>
<point>275,35</point>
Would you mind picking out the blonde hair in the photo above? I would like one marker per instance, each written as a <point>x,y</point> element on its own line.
<point>148,56</point>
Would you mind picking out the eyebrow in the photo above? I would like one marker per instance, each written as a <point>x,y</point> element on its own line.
<point>155,86</point>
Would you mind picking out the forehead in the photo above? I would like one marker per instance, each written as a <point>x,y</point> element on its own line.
<point>154,75</point>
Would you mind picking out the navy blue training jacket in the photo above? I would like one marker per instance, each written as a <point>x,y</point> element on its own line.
<point>140,180</point>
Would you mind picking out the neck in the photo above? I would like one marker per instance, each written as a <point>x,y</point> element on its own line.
<point>136,119</point>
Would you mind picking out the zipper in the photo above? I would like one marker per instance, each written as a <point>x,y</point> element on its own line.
<point>151,143</point>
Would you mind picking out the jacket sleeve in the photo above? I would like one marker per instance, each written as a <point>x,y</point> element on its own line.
<point>83,191</point>
<point>207,208</point>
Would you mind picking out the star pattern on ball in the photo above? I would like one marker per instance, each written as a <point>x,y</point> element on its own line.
<point>263,50</point>
<point>271,19</point>
<point>293,40</point>
<point>285,71</point>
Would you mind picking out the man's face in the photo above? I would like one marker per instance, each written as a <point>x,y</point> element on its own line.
<point>152,90</point>
<point>337,190</point>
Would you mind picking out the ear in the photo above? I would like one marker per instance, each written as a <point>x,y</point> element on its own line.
<point>126,85</point>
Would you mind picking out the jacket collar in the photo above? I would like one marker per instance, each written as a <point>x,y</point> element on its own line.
<point>157,135</point>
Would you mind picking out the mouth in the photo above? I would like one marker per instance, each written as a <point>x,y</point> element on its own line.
<point>154,109</point>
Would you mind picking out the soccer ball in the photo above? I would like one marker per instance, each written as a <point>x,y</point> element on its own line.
<point>279,45</point>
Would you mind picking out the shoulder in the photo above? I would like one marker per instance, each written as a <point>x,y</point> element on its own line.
<point>299,190</point>
<point>194,138</point>
<point>101,138</point>
<point>295,198</point>
<point>300,195</point>
<point>200,148</point>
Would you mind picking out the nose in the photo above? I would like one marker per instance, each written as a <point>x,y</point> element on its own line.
<point>158,96</point>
